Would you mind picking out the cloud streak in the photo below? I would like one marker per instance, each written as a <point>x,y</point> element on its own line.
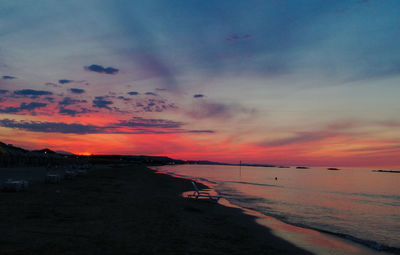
<point>152,123</point>
<point>64,81</point>
<point>299,138</point>
<point>73,112</point>
<point>70,101</point>
<point>136,125</point>
<point>23,107</point>
<point>52,127</point>
<point>32,92</point>
<point>8,77</point>
<point>100,102</point>
<point>77,91</point>
<point>340,129</point>
<point>101,69</point>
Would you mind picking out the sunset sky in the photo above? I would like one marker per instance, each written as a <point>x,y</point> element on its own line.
<point>279,82</point>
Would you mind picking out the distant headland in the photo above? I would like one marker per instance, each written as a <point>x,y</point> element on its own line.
<point>11,155</point>
<point>386,171</point>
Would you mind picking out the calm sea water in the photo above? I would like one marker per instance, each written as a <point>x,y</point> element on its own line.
<point>361,204</point>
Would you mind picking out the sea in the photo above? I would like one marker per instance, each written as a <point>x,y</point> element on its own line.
<point>356,204</point>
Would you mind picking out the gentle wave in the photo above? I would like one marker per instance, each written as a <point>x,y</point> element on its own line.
<point>256,184</point>
<point>243,202</point>
<point>323,191</point>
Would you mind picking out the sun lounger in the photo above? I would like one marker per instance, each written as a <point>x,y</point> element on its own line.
<point>201,194</point>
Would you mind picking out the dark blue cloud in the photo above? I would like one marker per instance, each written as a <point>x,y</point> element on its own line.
<point>101,69</point>
<point>8,77</point>
<point>124,98</point>
<point>72,112</point>
<point>156,126</point>
<point>63,81</point>
<point>32,93</point>
<point>100,102</point>
<point>133,93</point>
<point>50,99</point>
<point>154,105</point>
<point>3,91</point>
<point>198,95</point>
<point>153,123</point>
<point>150,94</point>
<point>32,106</point>
<point>65,111</point>
<point>201,131</point>
<point>70,101</point>
<point>23,107</point>
<point>52,127</point>
<point>135,126</point>
<point>77,91</point>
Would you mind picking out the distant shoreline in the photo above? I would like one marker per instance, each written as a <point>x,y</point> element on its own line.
<point>386,171</point>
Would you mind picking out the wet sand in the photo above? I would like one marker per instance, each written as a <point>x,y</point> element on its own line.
<point>127,210</point>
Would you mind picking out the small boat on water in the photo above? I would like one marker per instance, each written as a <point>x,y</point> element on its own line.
<point>333,168</point>
<point>301,167</point>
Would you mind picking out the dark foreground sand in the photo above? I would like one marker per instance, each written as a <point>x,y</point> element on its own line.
<point>129,210</point>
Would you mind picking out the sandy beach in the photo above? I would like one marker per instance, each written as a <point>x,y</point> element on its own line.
<point>127,210</point>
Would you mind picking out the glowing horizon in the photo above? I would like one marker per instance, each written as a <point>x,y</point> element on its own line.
<point>276,82</point>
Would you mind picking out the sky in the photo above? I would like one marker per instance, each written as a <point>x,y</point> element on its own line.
<point>311,83</point>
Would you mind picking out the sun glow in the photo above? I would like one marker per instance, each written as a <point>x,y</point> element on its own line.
<point>84,154</point>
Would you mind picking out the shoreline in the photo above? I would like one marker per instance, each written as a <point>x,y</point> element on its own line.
<point>329,242</point>
<point>313,239</point>
<point>127,210</point>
